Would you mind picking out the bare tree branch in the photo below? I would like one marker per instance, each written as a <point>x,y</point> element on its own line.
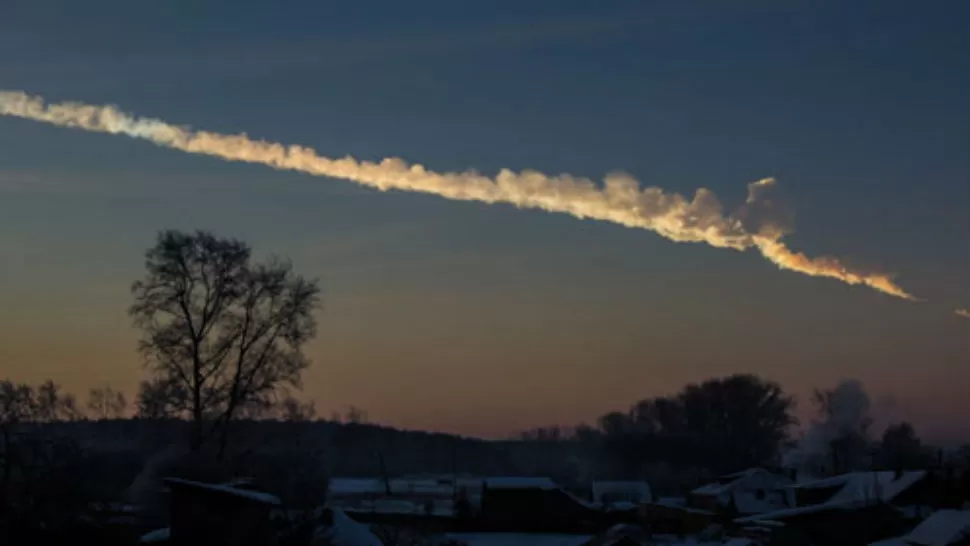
<point>219,331</point>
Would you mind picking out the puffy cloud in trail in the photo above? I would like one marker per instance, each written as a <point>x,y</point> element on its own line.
<point>765,212</point>
<point>760,223</point>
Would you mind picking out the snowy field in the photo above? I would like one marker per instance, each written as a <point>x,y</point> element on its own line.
<point>525,539</point>
<point>529,539</point>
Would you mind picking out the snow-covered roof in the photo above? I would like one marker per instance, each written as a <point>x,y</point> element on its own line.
<point>942,528</point>
<point>158,535</point>
<point>680,504</point>
<point>241,483</point>
<point>856,489</point>
<point>770,518</point>
<point>520,483</point>
<point>866,486</point>
<point>714,489</point>
<point>728,482</point>
<point>901,484</point>
<point>256,496</point>
<point>351,486</point>
<point>346,532</point>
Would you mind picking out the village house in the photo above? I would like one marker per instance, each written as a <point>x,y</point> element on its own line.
<point>857,507</point>
<point>753,491</point>
<point>216,515</point>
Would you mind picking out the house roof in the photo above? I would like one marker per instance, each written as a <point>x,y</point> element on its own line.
<point>520,483</point>
<point>345,531</point>
<point>158,535</point>
<point>941,528</point>
<point>866,486</point>
<point>727,482</point>
<point>246,494</point>
<point>350,486</point>
<point>856,489</point>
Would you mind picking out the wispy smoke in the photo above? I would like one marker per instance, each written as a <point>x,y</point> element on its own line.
<point>760,223</point>
<point>843,413</point>
<point>965,313</point>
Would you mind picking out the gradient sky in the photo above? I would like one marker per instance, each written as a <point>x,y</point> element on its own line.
<point>487,319</point>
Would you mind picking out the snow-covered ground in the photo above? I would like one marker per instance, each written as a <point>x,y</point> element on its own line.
<point>346,532</point>
<point>940,529</point>
<point>530,539</point>
<point>523,539</point>
<point>444,508</point>
<point>158,535</point>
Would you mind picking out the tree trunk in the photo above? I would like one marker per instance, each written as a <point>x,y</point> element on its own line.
<point>196,437</point>
<point>223,439</point>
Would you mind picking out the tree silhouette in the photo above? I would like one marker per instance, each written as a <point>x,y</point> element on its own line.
<point>742,418</point>
<point>17,405</point>
<point>27,458</point>
<point>219,331</point>
<point>161,398</point>
<point>901,449</point>
<point>54,405</point>
<point>723,424</point>
<point>106,403</point>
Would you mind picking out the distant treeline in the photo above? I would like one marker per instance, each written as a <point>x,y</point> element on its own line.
<point>338,449</point>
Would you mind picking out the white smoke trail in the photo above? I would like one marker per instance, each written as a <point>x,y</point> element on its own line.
<point>757,224</point>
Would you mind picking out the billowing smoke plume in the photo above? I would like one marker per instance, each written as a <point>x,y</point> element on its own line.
<point>760,223</point>
<point>965,313</point>
<point>841,430</point>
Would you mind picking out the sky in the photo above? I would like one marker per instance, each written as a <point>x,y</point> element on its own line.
<point>486,319</point>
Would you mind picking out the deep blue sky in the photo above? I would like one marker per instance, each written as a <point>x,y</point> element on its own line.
<point>859,109</point>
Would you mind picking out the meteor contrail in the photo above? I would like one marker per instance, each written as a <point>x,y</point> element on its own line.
<point>759,223</point>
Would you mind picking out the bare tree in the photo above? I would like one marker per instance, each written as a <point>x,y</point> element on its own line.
<point>21,403</point>
<point>17,405</point>
<point>291,409</point>
<point>901,448</point>
<point>220,331</point>
<point>54,405</point>
<point>160,398</point>
<point>107,403</point>
<point>725,424</point>
<point>355,415</point>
